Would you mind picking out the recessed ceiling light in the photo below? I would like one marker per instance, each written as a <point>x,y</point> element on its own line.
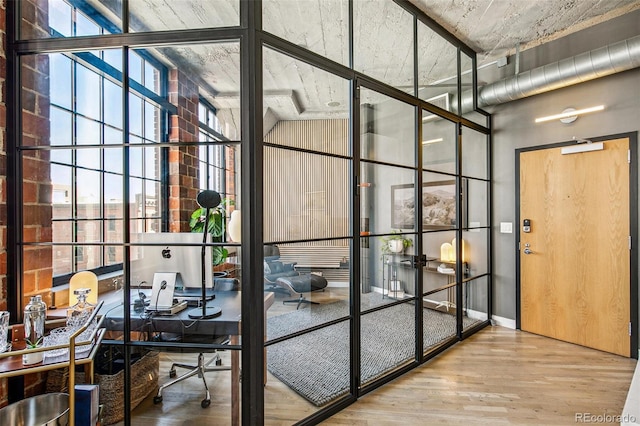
<point>333,104</point>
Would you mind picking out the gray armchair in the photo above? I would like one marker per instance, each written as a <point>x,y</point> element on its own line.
<point>274,268</point>
<point>283,277</point>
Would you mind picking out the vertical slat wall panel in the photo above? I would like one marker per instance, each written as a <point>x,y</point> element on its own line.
<point>306,194</point>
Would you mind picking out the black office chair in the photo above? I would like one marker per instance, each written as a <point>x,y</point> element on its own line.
<point>202,367</point>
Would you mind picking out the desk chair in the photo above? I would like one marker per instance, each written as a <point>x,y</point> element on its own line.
<point>202,366</point>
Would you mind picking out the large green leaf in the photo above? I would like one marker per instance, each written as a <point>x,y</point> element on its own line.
<point>215,227</point>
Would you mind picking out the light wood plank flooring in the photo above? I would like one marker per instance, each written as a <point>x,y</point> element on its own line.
<point>500,377</point>
<point>497,377</point>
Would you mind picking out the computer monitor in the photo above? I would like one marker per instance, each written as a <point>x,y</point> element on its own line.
<point>166,256</point>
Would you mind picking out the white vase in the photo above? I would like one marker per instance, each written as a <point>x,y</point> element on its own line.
<point>396,246</point>
<point>234,227</point>
<point>32,358</point>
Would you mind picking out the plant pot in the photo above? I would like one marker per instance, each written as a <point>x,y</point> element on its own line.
<point>32,358</point>
<point>396,246</point>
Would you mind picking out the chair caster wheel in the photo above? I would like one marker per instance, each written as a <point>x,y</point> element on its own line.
<point>218,362</point>
<point>205,403</point>
<point>172,373</point>
<point>157,399</point>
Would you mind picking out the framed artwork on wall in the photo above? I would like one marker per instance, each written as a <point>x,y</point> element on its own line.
<point>438,205</point>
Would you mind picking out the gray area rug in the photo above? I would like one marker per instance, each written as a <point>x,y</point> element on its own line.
<point>316,364</point>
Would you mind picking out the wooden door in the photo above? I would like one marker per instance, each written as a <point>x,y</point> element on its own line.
<point>575,283</point>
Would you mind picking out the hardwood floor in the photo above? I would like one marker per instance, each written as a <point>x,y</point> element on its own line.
<point>500,377</point>
<point>497,377</point>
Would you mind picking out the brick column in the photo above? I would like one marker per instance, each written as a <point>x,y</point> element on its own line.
<point>183,161</point>
<point>36,185</point>
<point>231,175</point>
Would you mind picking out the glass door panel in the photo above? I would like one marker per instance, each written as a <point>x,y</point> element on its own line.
<point>300,22</point>
<point>386,275</point>
<point>394,42</point>
<point>307,224</point>
<point>475,301</point>
<point>387,129</point>
<point>475,193</point>
<point>469,90</point>
<point>387,227</point>
<point>475,154</point>
<point>439,143</point>
<point>439,288</point>
<point>388,340</point>
<point>437,69</point>
<point>475,252</point>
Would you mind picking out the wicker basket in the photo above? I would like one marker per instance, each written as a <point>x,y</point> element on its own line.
<point>144,380</point>
<point>58,380</point>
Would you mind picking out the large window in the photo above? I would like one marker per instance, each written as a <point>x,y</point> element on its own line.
<point>212,158</point>
<point>88,159</point>
<point>330,149</point>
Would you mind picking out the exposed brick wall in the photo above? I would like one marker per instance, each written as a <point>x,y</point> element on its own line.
<point>36,187</point>
<point>36,184</point>
<point>231,174</point>
<point>183,161</point>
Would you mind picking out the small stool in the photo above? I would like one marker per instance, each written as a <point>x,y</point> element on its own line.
<point>304,283</point>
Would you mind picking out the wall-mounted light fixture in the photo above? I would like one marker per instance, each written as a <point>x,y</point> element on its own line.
<point>430,141</point>
<point>569,115</point>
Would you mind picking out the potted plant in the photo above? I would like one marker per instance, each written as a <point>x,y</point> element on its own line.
<point>216,227</point>
<point>34,357</point>
<point>396,243</point>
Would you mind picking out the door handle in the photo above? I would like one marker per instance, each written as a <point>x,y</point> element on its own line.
<point>527,251</point>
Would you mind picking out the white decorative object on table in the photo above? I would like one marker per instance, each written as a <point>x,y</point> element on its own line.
<point>234,227</point>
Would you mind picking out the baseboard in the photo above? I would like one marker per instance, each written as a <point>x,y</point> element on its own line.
<point>338,284</point>
<point>503,322</point>
<point>477,315</point>
<point>631,412</point>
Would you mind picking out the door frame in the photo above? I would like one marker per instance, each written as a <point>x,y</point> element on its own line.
<point>633,227</point>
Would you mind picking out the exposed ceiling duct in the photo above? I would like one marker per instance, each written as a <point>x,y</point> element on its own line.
<point>611,59</point>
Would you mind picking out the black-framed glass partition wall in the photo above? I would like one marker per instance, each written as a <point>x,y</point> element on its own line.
<point>320,131</point>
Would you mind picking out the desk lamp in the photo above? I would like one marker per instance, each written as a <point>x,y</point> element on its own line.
<point>207,199</point>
